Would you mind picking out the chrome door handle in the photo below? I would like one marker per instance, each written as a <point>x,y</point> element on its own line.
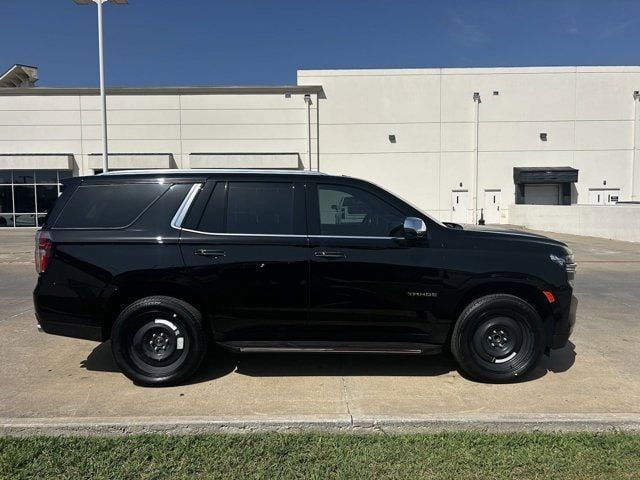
<point>203,252</point>
<point>324,254</point>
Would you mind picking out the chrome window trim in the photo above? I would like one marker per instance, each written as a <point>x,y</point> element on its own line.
<point>354,236</point>
<point>178,218</point>
<point>216,234</point>
<point>283,235</point>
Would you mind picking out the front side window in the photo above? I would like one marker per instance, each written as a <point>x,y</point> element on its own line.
<point>260,208</point>
<point>347,211</point>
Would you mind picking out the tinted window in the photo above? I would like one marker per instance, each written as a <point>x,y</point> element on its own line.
<point>46,196</point>
<point>213,217</point>
<point>108,206</point>
<point>265,208</point>
<point>6,200</point>
<point>347,211</point>
<point>25,198</point>
<point>23,176</point>
<point>46,176</point>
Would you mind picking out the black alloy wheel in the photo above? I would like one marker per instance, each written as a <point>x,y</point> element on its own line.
<point>498,338</point>
<point>158,341</point>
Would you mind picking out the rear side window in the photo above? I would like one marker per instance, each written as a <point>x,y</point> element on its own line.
<point>213,216</point>
<point>263,208</point>
<point>251,208</point>
<point>108,206</point>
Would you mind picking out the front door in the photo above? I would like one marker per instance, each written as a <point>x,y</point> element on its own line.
<point>247,252</point>
<point>367,282</point>
<point>459,206</point>
<point>492,206</point>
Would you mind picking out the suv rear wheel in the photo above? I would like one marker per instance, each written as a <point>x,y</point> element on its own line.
<point>158,341</point>
<point>498,338</point>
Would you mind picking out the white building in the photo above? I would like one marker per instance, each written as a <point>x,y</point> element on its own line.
<point>540,135</point>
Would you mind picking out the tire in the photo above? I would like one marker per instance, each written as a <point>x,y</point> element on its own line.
<point>159,341</point>
<point>498,338</point>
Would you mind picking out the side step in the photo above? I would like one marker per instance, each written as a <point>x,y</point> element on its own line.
<point>331,347</point>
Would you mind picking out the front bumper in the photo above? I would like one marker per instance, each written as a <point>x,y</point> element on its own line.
<point>564,327</point>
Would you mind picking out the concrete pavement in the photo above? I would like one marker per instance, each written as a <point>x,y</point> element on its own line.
<point>48,380</point>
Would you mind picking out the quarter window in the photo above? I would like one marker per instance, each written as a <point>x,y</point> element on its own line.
<point>347,211</point>
<point>108,206</point>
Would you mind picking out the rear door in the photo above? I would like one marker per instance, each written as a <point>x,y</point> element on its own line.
<point>245,245</point>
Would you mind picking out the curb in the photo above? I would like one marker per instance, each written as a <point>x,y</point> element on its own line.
<point>489,423</point>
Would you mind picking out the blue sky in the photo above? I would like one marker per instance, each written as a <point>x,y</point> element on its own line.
<point>225,42</point>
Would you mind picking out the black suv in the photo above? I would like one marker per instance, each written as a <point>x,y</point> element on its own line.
<point>169,263</point>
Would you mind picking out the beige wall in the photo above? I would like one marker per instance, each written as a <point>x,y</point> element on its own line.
<point>618,222</point>
<point>178,125</point>
<point>587,113</point>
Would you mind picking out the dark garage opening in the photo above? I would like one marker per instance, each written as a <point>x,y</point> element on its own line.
<point>544,185</point>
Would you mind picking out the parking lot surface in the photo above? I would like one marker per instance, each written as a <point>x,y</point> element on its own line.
<point>44,376</point>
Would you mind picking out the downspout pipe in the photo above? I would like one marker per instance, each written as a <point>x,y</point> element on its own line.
<point>476,100</point>
<point>634,168</point>
<point>307,100</point>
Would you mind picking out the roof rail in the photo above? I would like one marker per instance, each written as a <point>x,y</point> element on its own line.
<point>199,171</point>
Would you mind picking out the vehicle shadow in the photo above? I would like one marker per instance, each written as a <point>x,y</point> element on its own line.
<point>374,365</point>
<point>219,364</point>
<point>215,365</point>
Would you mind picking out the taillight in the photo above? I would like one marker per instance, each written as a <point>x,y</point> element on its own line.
<point>44,247</point>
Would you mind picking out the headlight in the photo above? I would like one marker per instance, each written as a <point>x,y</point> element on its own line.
<point>568,263</point>
<point>559,260</point>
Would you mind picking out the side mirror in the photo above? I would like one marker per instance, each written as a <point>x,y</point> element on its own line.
<point>414,227</point>
<point>334,207</point>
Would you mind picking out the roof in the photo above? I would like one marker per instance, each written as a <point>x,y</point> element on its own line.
<point>206,171</point>
<point>19,76</point>
<point>468,71</point>
<point>219,90</point>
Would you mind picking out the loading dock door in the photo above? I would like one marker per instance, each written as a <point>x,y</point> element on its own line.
<point>542,194</point>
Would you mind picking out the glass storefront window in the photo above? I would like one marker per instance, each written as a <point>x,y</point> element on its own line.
<point>46,176</point>
<point>46,195</point>
<point>23,176</point>
<point>26,195</point>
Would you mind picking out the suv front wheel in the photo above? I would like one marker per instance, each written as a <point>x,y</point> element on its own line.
<point>158,341</point>
<point>498,338</point>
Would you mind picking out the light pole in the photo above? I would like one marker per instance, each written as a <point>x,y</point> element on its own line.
<point>103,95</point>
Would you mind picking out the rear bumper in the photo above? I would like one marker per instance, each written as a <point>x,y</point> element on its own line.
<point>564,327</point>
<point>65,325</point>
<point>74,330</point>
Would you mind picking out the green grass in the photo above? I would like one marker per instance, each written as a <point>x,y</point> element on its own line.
<point>321,456</point>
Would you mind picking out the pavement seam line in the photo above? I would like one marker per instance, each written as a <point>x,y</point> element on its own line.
<point>345,394</point>
<point>17,314</point>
